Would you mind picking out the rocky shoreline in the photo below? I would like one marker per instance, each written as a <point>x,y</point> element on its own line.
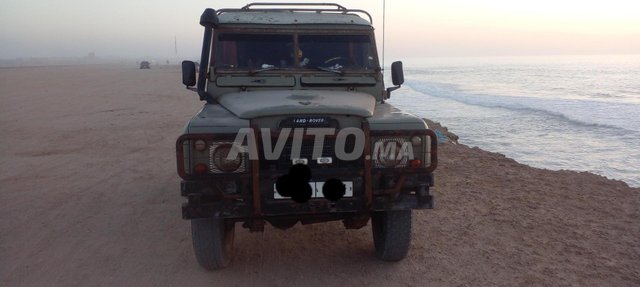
<point>443,133</point>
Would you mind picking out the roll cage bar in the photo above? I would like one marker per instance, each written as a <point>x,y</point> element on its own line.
<point>299,7</point>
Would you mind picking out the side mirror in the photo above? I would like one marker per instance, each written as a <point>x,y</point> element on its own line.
<point>397,75</point>
<point>188,73</point>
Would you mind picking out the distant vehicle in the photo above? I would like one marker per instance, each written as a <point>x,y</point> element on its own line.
<point>296,128</point>
<point>145,65</point>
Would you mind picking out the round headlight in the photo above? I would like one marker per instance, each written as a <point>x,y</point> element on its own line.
<point>390,156</point>
<point>416,141</point>
<point>220,160</point>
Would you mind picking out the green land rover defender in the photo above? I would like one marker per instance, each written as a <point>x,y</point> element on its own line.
<point>295,128</point>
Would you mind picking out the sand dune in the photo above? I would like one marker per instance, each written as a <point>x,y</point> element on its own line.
<point>89,196</point>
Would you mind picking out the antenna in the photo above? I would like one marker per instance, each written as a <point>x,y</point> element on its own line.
<point>175,45</point>
<point>384,11</point>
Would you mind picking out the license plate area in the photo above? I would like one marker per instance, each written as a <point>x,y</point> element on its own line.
<point>317,190</point>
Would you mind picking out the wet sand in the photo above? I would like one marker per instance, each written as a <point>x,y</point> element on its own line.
<point>89,196</point>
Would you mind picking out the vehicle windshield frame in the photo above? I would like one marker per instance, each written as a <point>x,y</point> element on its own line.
<point>296,65</point>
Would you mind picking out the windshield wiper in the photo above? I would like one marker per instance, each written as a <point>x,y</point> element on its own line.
<point>333,69</point>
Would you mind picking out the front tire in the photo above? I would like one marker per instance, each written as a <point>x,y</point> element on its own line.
<point>391,234</point>
<point>212,242</point>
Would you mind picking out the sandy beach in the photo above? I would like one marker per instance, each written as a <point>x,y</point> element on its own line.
<point>89,196</point>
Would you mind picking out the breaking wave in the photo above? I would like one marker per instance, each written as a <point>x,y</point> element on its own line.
<point>584,113</point>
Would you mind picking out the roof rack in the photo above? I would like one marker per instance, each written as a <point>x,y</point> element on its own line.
<point>299,7</point>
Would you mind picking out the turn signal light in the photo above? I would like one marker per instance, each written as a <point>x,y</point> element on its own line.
<point>201,168</point>
<point>415,163</point>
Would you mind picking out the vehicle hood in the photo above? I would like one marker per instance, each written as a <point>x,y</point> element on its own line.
<point>254,104</point>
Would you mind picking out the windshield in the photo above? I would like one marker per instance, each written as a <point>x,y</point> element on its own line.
<point>337,51</point>
<point>259,52</point>
<point>254,51</point>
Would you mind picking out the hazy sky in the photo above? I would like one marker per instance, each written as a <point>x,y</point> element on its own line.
<point>142,29</point>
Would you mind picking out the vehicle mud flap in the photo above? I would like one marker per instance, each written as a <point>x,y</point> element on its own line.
<point>425,199</point>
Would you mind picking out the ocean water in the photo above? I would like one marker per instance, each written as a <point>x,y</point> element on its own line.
<point>563,112</point>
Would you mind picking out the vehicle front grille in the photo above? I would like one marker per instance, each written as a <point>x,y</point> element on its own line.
<point>284,162</point>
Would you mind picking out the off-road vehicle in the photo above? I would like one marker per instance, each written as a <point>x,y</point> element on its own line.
<point>145,65</point>
<point>295,128</point>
